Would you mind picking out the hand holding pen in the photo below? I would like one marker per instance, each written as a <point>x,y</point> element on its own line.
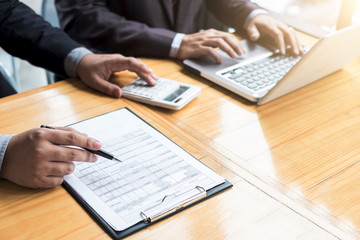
<point>38,157</point>
<point>98,152</point>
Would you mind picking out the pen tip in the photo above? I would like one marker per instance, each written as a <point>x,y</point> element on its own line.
<point>117,159</point>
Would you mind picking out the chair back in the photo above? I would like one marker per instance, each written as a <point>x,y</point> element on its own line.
<point>48,12</point>
<point>8,85</point>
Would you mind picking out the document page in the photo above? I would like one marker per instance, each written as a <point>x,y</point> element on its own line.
<point>152,167</point>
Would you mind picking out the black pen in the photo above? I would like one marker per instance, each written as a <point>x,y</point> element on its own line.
<point>100,152</point>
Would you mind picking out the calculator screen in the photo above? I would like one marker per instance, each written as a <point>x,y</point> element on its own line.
<point>176,93</point>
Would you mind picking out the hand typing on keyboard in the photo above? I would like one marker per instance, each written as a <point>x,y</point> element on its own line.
<point>264,25</point>
<point>204,44</point>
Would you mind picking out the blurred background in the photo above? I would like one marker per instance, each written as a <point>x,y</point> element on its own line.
<point>30,76</point>
<point>316,17</point>
<point>26,76</point>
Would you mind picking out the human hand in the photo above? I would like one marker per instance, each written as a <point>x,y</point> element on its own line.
<point>95,70</point>
<point>36,159</point>
<point>264,25</point>
<point>204,43</point>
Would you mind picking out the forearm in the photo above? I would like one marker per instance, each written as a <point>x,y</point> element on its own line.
<point>26,35</point>
<point>232,12</point>
<point>94,25</point>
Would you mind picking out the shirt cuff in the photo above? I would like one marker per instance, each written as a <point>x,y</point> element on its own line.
<point>175,45</point>
<point>253,14</point>
<point>73,59</point>
<point>4,141</point>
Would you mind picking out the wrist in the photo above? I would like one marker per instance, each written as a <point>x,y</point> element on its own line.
<point>252,15</point>
<point>4,143</point>
<point>73,59</point>
<point>175,45</point>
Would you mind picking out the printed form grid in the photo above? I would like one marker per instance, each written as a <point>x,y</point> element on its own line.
<point>148,168</point>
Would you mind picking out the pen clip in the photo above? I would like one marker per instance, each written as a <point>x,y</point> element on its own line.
<point>154,213</point>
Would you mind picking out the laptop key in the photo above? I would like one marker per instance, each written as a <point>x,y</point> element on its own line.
<point>261,74</point>
<point>236,75</point>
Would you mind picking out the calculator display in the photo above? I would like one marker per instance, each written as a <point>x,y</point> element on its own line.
<point>176,93</point>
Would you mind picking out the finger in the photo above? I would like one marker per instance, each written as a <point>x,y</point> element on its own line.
<point>60,137</point>
<point>60,169</point>
<point>278,37</point>
<point>69,129</point>
<point>154,76</point>
<point>291,39</point>
<point>232,41</point>
<point>208,33</point>
<point>120,63</point>
<point>149,78</point>
<point>70,154</point>
<point>209,51</point>
<point>138,67</point>
<point>104,86</point>
<point>299,44</point>
<point>235,44</point>
<point>223,45</point>
<point>253,32</point>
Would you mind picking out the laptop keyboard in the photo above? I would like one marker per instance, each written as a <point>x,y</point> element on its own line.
<point>261,74</point>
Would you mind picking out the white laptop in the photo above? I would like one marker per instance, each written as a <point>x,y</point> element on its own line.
<point>262,75</point>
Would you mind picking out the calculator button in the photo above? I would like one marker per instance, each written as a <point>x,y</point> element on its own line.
<point>163,88</point>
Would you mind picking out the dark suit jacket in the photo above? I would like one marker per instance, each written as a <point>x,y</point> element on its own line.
<point>26,35</point>
<point>142,27</point>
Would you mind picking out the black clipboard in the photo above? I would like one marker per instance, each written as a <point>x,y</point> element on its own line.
<point>147,221</point>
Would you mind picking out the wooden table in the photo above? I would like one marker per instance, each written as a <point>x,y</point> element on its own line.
<point>294,162</point>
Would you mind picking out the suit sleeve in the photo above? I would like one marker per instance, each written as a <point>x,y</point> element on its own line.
<point>232,12</point>
<point>93,24</point>
<point>26,35</point>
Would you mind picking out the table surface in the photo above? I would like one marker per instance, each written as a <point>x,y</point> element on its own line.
<point>294,162</point>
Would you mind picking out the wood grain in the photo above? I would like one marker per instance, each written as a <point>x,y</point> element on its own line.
<point>305,143</point>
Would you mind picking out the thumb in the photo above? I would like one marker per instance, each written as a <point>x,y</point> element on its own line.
<point>104,86</point>
<point>253,32</point>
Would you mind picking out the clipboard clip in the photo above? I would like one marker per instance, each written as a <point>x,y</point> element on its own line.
<point>163,208</point>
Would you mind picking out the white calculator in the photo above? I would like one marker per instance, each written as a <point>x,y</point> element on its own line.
<point>166,93</point>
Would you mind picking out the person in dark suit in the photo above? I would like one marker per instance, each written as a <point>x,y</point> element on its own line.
<point>37,158</point>
<point>163,28</point>
<point>26,35</point>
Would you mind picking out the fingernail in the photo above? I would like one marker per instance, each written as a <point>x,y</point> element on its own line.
<point>117,93</point>
<point>94,158</point>
<point>97,145</point>
<point>253,37</point>
<point>154,76</point>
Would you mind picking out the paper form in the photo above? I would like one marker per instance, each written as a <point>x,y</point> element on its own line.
<point>153,167</point>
